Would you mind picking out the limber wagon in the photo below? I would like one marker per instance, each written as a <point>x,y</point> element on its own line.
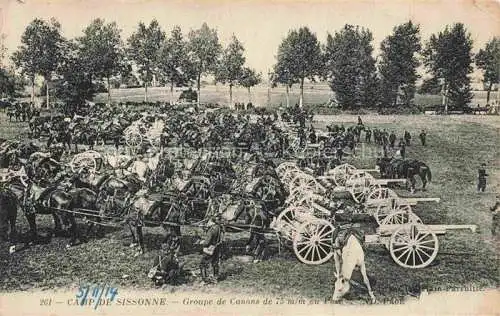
<point>411,245</point>
<point>311,228</point>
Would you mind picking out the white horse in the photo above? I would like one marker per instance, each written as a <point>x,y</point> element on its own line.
<point>347,258</point>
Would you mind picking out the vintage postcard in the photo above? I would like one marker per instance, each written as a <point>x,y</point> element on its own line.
<point>249,157</point>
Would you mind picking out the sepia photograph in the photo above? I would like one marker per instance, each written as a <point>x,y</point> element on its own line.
<point>254,157</point>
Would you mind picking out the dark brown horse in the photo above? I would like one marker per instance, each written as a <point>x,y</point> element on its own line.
<point>59,202</point>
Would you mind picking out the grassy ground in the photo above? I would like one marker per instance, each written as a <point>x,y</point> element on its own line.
<point>456,147</point>
<point>313,94</point>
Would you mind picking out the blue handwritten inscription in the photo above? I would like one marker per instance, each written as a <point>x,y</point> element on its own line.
<point>97,293</point>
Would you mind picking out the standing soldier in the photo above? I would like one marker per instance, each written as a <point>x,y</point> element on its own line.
<point>402,148</point>
<point>495,216</point>
<point>211,250</point>
<point>360,122</point>
<point>481,183</point>
<point>302,136</point>
<point>392,139</point>
<point>368,136</point>
<point>422,137</point>
<point>407,138</point>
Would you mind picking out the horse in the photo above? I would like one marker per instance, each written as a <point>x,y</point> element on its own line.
<point>169,212</point>
<point>9,204</point>
<point>244,210</point>
<point>60,204</point>
<point>405,169</point>
<point>348,254</point>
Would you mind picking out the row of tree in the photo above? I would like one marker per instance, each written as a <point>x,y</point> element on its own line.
<point>99,55</point>
<point>345,61</point>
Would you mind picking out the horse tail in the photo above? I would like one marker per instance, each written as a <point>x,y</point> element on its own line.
<point>429,174</point>
<point>426,172</point>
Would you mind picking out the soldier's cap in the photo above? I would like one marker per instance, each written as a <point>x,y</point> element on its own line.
<point>483,164</point>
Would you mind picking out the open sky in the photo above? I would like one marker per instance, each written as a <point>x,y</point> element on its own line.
<point>260,25</point>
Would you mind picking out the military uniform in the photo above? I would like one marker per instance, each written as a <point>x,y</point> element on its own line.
<point>407,138</point>
<point>211,250</point>
<point>495,218</point>
<point>481,183</point>
<point>166,269</point>
<point>368,136</point>
<point>422,137</point>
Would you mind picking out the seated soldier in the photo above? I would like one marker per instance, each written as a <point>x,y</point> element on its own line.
<point>166,267</point>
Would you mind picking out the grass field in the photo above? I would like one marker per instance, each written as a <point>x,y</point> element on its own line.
<point>313,94</point>
<point>456,147</point>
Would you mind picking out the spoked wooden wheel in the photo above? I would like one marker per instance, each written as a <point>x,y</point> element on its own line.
<point>155,141</point>
<point>360,185</point>
<point>286,170</point>
<point>133,139</point>
<point>378,196</point>
<point>390,207</point>
<point>400,217</point>
<point>413,246</point>
<point>83,161</point>
<point>341,173</point>
<point>305,182</point>
<point>289,220</point>
<point>313,242</point>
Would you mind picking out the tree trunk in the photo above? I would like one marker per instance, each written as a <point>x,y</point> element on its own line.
<point>301,100</point>
<point>145,91</point>
<point>33,90</point>
<point>109,90</point>
<point>47,88</point>
<point>488,93</point>
<point>171,92</point>
<point>230,95</point>
<point>198,89</point>
<point>287,96</point>
<point>249,95</point>
<point>445,104</point>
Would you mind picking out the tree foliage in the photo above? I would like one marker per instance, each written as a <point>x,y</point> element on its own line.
<point>40,50</point>
<point>448,57</point>
<point>488,60</point>
<point>299,57</point>
<point>101,49</point>
<point>204,51</point>
<point>249,78</point>
<point>74,85</point>
<point>10,84</point>
<point>350,67</point>
<point>398,64</point>
<point>230,67</point>
<point>173,63</point>
<point>143,49</point>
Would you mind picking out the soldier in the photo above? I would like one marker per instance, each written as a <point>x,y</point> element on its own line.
<point>407,138</point>
<point>360,122</point>
<point>211,250</point>
<point>423,135</point>
<point>302,136</point>
<point>402,148</point>
<point>392,139</point>
<point>495,216</point>
<point>166,267</point>
<point>481,181</point>
<point>368,136</point>
<point>312,136</point>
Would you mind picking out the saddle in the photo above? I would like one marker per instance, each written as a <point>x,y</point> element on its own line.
<point>341,236</point>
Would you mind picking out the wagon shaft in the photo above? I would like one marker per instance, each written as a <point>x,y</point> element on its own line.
<point>441,229</point>
<point>414,201</point>
<point>387,181</point>
<point>386,230</point>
